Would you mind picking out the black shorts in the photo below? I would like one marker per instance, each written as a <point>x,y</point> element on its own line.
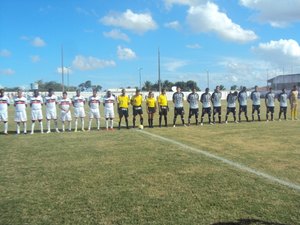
<point>178,111</point>
<point>217,109</point>
<point>123,112</point>
<point>283,109</point>
<point>151,110</point>
<point>193,112</point>
<point>243,108</point>
<point>255,108</point>
<point>137,110</point>
<point>163,110</point>
<point>206,110</point>
<point>270,109</point>
<point>231,110</point>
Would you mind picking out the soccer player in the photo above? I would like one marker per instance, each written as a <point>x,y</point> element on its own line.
<point>231,105</point>
<point>136,102</point>
<point>163,107</point>
<point>255,97</point>
<point>109,102</point>
<point>36,103</point>
<point>20,103</point>
<point>94,103</point>
<point>4,103</point>
<point>178,98</point>
<point>294,102</point>
<point>51,114</point>
<point>270,104</point>
<point>216,101</point>
<point>78,103</point>
<point>123,103</point>
<point>151,108</point>
<point>193,100</point>
<point>242,99</point>
<point>206,106</point>
<point>282,98</point>
<point>65,114</point>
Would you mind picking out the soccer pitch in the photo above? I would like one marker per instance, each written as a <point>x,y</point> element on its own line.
<point>153,176</point>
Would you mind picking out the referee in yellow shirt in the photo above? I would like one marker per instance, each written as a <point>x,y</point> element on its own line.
<point>163,107</point>
<point>151,108</point>
<point>123,103</point>
<point>136,102</point>
<point>294,102</point>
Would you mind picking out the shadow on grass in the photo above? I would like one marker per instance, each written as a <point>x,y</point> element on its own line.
<point>248,222</point>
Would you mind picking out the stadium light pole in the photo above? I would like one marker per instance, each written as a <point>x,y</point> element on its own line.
<point>68,73</point>
<point>159,81</point>
<point>207,74</point>
<point>62,68</point>
<point>140,74</point>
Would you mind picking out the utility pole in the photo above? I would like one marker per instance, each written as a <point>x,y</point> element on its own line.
<point>140,74</point>
<point>159,81</point>
<point>62,69</point>
<point>207,74</point>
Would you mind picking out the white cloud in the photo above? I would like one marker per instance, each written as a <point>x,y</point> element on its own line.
<point>67,70</point>
<point>38,42</point>
<point>91,63</point>
<point>208,18</point>
<point>135,22</point>
<point>117,35</point>
<point>35,58</point>
<point>173,65</point>
<point>7,71</point>
<point>281,53</point>
<point>193,46</point>
<point>278,14</point>
<point>170,3</point>
<point>125,53</point>
<point>173,25</point>
<point>5,53</point>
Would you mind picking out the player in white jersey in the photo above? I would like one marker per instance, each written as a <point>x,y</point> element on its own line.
<point>216,101</point>
<point>36,103</point>
<point>231,105</point>
<point>109,102</point>
<point>65,114</point>
<point>193,100</point>
<point>242,99</point>
<point>206,106</point>
<point>50,102</point>
<point>94,102</point>
<point>178,98</point>
<point>20,103</point>
<point>283,100</point>
<point>4,103</point>
<point>78,103</point>
<point>255,97</point>
<point>270,104</point>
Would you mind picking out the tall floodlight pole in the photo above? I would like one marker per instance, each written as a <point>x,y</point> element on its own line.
<point>159,81</point>
<point>207,74</point>
<point>62,69</point>
<point>140,74</point>
<point>68,81</point>
<point>267,78</point>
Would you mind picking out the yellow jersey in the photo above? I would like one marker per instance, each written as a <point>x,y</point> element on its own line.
<point>151,102</point>
<point>162,100</point>
<point>137,100</point>
<point>123,101</point>
<point>294,96</point>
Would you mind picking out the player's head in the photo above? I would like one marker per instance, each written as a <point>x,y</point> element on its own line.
<point>256,88</point>
<point>65,94</point>
<point>163,91</point>
<point>94,92</point>
<point>123,91</point>
<point>1,92</point>
<point>235,93</point>
<point>137,92</point>
<point>108,93</point>
<point>149,94</point>
<point>283,90</point>
<point>206,90</point>
<point>217,88</point>
<point>20,93</point>
<point>193,89</point>
<point>244,88</point>
<point>36,93</point>
<point>78,92</point>
<point>178,89</point>
<point>50,91</point>
<point>270,89</point>
<point>294,88</point>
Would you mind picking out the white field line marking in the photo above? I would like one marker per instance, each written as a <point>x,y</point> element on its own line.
<point>226,161</point>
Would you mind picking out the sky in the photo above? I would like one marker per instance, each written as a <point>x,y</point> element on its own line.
<point>115,42</point>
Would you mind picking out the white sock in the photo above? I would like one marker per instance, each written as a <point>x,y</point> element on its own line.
<point>111,124</point>
<point>32,127</point>
<point>90,123</point>
<point>5,127</point>
<point>98,124</point>
<point>63,127</point>
<point>18,128</point>
<point>25,127</point>
<point>48,125</point>
<point>82,123</point>
<point>42,128</point>
<point>70,126</point>
<point>106,123</point>
<point>76,123</point>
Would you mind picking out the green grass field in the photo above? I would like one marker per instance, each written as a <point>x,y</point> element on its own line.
<point>130,177</point>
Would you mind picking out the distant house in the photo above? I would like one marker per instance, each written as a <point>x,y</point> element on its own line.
<point>284,81</point>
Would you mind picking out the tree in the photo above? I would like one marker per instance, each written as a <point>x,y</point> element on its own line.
<point>147,86</point>
<point>222,87</point>
<point>190,84</point>
<point>233,87</point>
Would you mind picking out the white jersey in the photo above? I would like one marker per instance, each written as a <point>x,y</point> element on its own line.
<point>193,99</point>
<point>216,99</point>
<point>50,102</point>
<point>4,102</point>
<point>65,104</point>
<point>36,102</point>
<point>178,98</point>
<point>109,102</point>
<point>78,101</point>
<point>94,102</point>
<point>205,99</point>
<point>20,104</point>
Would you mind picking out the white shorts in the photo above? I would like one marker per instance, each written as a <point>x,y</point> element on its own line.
<point>36,114</point>
<point>65,116</point>
<point>109,113</point>
<point>20,116</point>
<point>94,113</point>
<point>3,116</point>
<point>79,112</point>
<point>51,115</point>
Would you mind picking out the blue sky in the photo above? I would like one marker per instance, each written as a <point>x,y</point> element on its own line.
<point>238,41</point>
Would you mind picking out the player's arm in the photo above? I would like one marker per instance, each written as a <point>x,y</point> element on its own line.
<point>266,97</point>
<point>173,98</point>
<point>128,100</point>
<point>212,97</point>
<point>188,98</point>
<point>201,99</point>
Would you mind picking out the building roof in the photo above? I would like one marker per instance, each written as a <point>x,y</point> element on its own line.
<point>288,78</point>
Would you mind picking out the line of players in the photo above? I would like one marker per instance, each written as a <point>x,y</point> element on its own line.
<point>123,101</point>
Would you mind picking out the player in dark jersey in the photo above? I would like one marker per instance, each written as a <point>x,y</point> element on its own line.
<point>193,100</point>
<point>206,106</point>
<point>216,101</point>
<point>178,98</point>
<point>242,99</point>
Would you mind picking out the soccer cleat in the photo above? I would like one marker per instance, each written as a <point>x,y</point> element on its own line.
<point>42,132</point>
<point>30,132</point>
<point>49,131</point>
<point>5,133</point>
<point>174,125</point>
<point>57,131</point>
<point>75,130</point>
<point>212,124</point>
<point>279,120</point>
<point>201,124</point>
<point>236,121</point>
<point>226,122</point>
<point>184,125</point>
<point>83,130</point>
